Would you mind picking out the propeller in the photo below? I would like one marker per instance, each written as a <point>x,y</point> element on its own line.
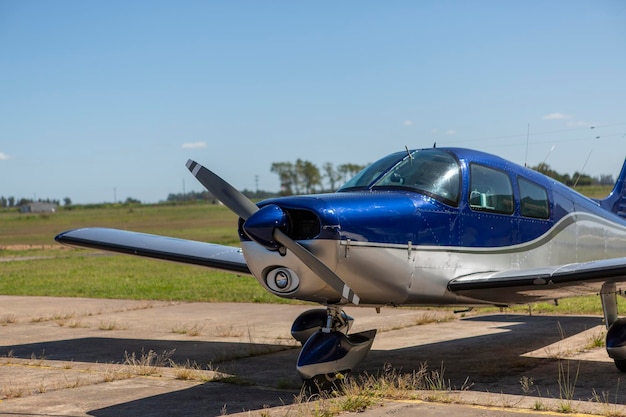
<point>223,191</point>
<point>245,209</point>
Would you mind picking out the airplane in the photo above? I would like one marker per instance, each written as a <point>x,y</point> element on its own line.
<point>423,227</point>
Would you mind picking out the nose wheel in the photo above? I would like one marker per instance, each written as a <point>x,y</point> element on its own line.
<point>329,352</point>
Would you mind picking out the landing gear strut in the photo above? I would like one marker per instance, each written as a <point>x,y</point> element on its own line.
<point>328,349</point>
<point>313,321</point>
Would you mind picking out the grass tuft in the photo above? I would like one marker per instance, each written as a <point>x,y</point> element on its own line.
<point>194,372</point>
<point>567,385</point>
<point>597,340</point>
<point>187,329</point>
<point>147,363</point>
<point>365,391</point>
<point>109,325</point>
<point>609,409</point>
<point>8,319</point>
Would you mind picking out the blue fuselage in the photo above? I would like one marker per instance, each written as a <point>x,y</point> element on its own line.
<point>416,221</point>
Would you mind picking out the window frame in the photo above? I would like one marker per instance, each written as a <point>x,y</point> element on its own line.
<point>483,196</point>
<point>538,187</point>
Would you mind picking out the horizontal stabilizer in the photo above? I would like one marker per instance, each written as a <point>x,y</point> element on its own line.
<point>225,258</point>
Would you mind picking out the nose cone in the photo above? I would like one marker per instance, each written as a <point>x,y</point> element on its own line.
<point>260,226</point>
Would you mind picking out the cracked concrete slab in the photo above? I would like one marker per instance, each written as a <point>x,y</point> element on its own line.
<point>89,357</point>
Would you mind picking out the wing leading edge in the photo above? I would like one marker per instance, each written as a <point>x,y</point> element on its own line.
<point>521,286</point>
<point>225,258</point>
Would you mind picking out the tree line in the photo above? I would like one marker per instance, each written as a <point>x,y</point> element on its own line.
<point>7,202</point>
<point>207,196</point>
<point>300,177</point>
<point>577,179</point>
<point>304,177</point>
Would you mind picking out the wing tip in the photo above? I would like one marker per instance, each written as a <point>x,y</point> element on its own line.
<point>61,236</point>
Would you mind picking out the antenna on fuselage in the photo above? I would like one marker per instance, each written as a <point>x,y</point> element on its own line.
<point>527,137</point>
<point>583,169</point>
<point>548,155</point>
<point>408,152</point>
<point>585,164</point>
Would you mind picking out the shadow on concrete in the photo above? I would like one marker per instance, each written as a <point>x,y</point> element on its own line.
<point>209,399</point>
<point>114,350</point>
<point>252,388</point>
<point>491,362</point>
<point>496,362</point>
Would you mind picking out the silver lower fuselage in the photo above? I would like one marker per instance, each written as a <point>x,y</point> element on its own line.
<point>411,274</point>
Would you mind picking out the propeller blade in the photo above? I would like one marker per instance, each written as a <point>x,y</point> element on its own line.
<point>223,191</point>
<point>317,266</point>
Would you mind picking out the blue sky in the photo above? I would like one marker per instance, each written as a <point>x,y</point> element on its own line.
<point>110,98</point>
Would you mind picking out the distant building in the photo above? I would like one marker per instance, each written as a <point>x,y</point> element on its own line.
<point>39,207</point>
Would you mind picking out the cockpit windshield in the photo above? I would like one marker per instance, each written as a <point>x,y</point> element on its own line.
<point>369,174</point>
<point>432,172</point>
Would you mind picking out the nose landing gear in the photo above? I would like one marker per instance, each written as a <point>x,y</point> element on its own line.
<point>328,350</point>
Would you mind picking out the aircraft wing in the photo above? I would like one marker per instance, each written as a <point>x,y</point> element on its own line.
<point>225,258</point>
<point>552,282</point>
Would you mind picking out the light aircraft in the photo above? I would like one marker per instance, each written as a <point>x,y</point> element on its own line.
<point>425,227</point>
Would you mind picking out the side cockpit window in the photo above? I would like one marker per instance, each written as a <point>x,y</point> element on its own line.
<point>534,199</point>
<point>490,190</point>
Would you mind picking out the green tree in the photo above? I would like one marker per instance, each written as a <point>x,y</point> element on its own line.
<point>348,171</point>
<point>332,175</point>
<point>304,176</point>
<point>286,175</point>
<point>309,176</point>
<point>579,179</point>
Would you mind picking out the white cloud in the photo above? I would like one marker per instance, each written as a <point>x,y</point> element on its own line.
<point>4,157</point>
<point>194,145</point>
<point>436,131</point>
<point>408,123</point>
<point>557,116</point>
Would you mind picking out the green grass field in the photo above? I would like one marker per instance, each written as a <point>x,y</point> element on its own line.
<point>42,267</point>
<point>59,271</point>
